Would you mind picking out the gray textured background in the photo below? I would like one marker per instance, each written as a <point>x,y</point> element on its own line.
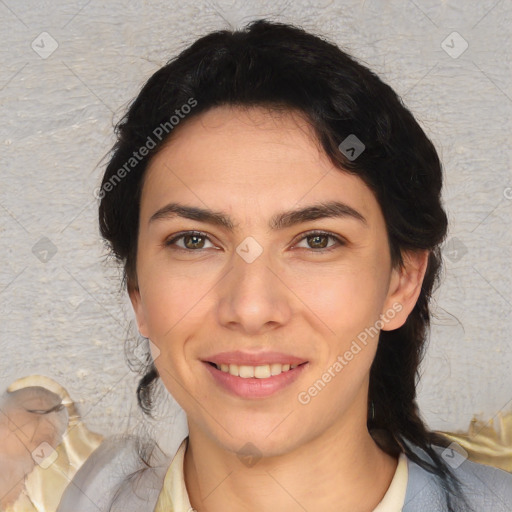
<point>61,313</point>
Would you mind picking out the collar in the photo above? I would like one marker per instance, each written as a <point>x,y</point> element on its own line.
<point>174,496</point>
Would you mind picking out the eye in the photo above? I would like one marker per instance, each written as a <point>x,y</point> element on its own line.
<point>318,241</point>
<point>192,240</point>
<point>195,240</point>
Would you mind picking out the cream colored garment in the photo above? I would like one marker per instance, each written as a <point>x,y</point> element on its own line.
<point>42,488</point>
<point>174,496</point>
<point>394,499</point>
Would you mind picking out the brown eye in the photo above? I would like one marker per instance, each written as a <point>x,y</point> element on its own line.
<point>318,241</point>
<point>191,241</point>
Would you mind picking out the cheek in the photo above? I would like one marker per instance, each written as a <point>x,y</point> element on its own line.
<point>171,299</point>
<point>347,299</point>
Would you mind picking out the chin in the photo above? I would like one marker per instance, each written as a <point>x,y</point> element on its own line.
<point>248,440</point>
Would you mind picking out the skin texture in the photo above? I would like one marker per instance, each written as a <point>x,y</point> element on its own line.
<point>294,298</point>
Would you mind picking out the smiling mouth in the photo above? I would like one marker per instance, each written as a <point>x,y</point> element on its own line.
<point>263,371</point>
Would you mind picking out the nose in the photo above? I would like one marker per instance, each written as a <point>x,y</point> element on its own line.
<point>253,297</point>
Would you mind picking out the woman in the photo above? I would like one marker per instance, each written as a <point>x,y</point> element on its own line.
<point>277,211</point>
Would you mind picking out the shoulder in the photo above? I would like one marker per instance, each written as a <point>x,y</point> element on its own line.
<point>114,477</point>
<point>488,487</point>
<point>485,487</point>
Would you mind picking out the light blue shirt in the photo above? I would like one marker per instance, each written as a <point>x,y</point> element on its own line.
<point>104,484</point>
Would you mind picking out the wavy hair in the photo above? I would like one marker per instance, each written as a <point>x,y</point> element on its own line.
<point>282,66</point>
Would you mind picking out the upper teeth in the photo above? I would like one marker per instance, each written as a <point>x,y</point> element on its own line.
<point>260,372</point>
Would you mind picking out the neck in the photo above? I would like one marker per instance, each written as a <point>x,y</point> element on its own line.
<point>336,471</point>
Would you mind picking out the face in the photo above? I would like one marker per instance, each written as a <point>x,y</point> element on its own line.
<point>255,251</point>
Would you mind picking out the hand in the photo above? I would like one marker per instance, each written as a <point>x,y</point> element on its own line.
<point>28,417</point>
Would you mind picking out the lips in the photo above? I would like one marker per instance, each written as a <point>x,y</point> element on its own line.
<point>254,359</point>
<point>253,387</point>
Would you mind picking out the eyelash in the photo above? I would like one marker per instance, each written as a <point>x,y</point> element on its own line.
<point>339,241</point>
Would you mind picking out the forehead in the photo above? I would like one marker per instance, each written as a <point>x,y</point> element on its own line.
<point>235,155</point>
<point>236,131</point>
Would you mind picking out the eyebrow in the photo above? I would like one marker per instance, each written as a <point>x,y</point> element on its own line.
<point>282,220</point>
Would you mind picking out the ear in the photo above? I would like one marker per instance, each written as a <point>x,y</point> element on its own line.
<point>404,288</point>
<point>138,308</point>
